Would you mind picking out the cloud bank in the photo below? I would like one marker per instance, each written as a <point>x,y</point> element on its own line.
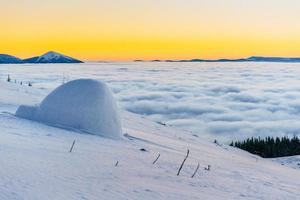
<point>226,101</point>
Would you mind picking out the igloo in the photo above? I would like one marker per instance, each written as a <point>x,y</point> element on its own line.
<point>86,105</point>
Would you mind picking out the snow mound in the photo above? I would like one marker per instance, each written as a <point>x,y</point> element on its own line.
<point>84,104</point>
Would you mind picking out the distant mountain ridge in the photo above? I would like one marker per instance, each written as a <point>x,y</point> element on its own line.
<point>7,59</point>
<point>273,59</point>
<point>54,57</point>
<point>49,57</point>
<point>250,59</point>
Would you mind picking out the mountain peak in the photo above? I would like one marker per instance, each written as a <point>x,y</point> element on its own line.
<point>51,53</point>
<point>54,57</point>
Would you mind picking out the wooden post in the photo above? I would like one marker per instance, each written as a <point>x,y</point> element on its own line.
<point>156,159</point>
<point>72,146</point>
<point>187,155</point>
<point>196,170</point>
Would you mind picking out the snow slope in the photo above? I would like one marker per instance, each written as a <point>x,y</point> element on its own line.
<point>36,163</point>
<point>290,161</point>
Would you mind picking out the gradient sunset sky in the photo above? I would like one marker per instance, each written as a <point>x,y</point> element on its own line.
<point>150,29</point>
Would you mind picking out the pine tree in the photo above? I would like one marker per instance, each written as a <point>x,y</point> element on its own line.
<point>270,147</point>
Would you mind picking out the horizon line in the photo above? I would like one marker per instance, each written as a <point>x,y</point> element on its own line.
<point>164,59</point>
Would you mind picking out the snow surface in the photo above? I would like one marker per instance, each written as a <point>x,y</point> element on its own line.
<point>36,163</point>
<point>290,161</point>
<point>84,104</point>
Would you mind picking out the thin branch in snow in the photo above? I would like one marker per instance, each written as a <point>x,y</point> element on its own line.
<point>207,168</point>
<point>8,78</point>
<point>116,163</point>
<point>187,155</point>
<point>195,171</point>
<point>143,149</point>
<point>156,159</point>
<point>72,146</point>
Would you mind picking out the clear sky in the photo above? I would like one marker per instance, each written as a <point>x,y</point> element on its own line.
<point>150,29</point>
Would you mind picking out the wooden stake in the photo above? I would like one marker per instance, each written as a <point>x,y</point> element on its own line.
<point>156,159</point>
<point>196,170</point>
<point>187,155</point>
<point>72,146</point>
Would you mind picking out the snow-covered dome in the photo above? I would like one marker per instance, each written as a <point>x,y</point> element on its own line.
<point>85,104</point>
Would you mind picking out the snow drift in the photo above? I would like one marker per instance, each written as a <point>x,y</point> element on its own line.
<point>84,104</point>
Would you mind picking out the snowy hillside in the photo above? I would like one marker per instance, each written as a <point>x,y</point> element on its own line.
<point>36,162</point>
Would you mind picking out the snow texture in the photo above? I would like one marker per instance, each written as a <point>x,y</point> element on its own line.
<point>85,104</point>
<point>290,161</point>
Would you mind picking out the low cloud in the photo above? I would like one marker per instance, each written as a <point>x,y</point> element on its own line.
<point>220,102</point>
<point>214,100</point>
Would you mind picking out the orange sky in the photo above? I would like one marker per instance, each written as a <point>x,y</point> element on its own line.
<point>150,29</point>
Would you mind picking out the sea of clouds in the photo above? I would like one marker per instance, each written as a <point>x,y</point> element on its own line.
<point>226,101</point>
